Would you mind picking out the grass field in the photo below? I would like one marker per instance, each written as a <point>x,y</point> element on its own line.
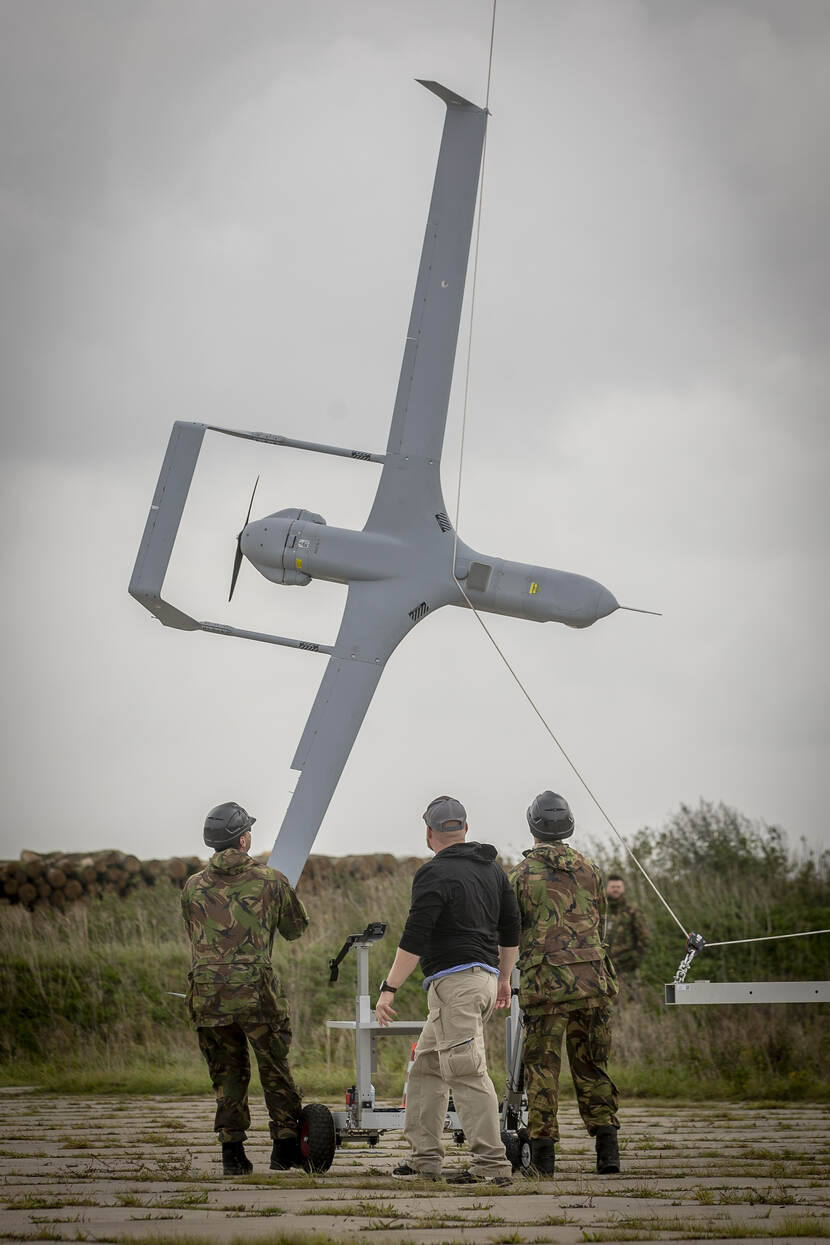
<point>86,1003</point>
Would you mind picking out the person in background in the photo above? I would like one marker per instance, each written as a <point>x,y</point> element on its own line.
<point>463,926</point>
<point>233,910</point>
<point>567,985</point>
<point>627,931</point>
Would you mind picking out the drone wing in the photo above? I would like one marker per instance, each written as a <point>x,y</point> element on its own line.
<point>378,615</point>
<point>375,620</point>
<point>410,485</point>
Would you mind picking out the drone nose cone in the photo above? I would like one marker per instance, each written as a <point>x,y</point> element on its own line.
<point>606,603</point>
<point>263,542</point>
<point>250,538</point>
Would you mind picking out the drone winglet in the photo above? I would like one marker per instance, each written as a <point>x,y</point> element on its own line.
<point>409,490</point>
<point>163,523</point>
<point>450,98</point>
<point>164,518</point>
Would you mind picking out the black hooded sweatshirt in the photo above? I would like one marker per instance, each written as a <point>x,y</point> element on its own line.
<point>463,909</point>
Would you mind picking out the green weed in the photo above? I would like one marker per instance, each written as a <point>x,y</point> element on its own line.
<point>183,1201</point>
<point>32,1201</point>
<point>153,1218</point>
<point>365,1209</point>
<point>43,1234</point>
<point>264,1212</point>
<point>710,1230</point>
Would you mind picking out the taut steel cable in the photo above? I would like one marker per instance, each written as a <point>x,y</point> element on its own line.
<point>478,617</point>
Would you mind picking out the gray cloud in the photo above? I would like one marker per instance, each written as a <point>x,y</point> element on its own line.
<point>215,212</point>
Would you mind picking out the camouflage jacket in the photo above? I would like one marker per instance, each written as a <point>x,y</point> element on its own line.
<point>628,935</point>
<point>561,955</point>
<point>233,909</point>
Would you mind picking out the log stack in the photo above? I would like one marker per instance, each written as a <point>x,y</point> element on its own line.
<point>58,879</point>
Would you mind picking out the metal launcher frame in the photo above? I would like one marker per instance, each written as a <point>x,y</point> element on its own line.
<point>680,991</point>
<point>362,1118</point>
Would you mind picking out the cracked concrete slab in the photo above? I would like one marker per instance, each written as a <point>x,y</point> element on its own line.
<point>147,1169</point>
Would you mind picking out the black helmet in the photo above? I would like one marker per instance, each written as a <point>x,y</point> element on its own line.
<point>550,817</point>
<point>224,824</point>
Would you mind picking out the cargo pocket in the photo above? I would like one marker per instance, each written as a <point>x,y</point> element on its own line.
<point>223,992</point>
<point>461,1060</point>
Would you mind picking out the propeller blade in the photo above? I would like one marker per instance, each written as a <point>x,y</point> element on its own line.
<point>237,562</point>
<point>250,506</point>
<point>237,557</point>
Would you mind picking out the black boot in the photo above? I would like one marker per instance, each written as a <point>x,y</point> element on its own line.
<point>542,1155</point>
<point>608,1153</point>
<point>235,1161</point>
<point>285,1153</point>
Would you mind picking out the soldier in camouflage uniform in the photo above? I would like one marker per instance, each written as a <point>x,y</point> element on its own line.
<point>233,909</point>
<point>627,931</point>
<point>567,985</point>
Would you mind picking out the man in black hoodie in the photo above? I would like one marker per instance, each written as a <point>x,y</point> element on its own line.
<point>463,926</point>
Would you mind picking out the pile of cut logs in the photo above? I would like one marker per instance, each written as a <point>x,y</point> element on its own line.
<point>56,879</point>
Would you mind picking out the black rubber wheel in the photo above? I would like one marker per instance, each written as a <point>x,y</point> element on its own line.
<point>513,1148</point>
<point>525,1156</point>
<point>458,1137</point>
<point>373,1139</point>
<point>317,1137</point>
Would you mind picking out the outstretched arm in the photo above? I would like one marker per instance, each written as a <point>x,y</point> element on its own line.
<point>293,918</point>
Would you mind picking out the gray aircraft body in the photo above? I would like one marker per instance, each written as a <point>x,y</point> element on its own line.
<point>399,568</point>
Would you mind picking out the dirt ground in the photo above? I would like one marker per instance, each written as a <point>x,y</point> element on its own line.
<point>122,1169</point>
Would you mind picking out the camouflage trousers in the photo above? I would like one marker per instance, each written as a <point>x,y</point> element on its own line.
<point>587,1032</point>
<point>226,1050</point>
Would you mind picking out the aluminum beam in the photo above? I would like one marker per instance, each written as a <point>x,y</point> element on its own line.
<point>748,992</point>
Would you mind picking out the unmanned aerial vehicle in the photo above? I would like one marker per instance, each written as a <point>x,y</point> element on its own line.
<point>407,561</point>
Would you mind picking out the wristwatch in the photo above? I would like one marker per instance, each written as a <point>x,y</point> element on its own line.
<point>384,985</point>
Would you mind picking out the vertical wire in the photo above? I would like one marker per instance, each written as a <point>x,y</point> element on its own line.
<point>473,303</point>
<point>460,587</point>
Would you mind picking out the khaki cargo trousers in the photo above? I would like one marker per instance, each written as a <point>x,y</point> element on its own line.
<point>450,1055</point>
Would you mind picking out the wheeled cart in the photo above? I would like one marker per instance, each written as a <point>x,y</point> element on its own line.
<point>362,1118</point>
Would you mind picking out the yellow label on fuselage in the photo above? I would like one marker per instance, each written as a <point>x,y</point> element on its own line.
<point>299,564</point>
<point>534,588</point>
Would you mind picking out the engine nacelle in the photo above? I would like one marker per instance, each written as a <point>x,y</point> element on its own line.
<point>269,543</point>
<point>308,515</point>
<point>285,577</point>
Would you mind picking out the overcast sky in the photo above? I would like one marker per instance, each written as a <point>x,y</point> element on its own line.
<point>214,211</point>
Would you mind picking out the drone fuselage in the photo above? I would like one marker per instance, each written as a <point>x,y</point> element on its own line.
<point>296,546</point>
